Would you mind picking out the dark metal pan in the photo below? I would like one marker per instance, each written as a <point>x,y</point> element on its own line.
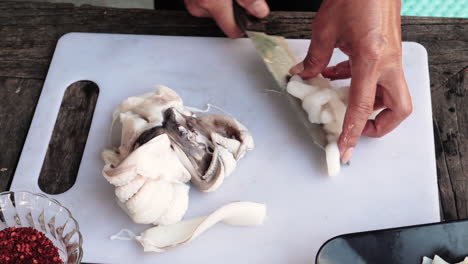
<point>405,245</point>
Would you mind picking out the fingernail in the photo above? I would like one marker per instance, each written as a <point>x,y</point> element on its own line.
<point>259,8</point>
<point>347,155</point>
<point>297,69</point>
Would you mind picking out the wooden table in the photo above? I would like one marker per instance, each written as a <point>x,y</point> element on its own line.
<point>29,32</point>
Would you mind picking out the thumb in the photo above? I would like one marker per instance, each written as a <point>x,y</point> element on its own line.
<point>318,56</point>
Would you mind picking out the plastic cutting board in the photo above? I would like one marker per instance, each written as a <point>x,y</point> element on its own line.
<point>391,181</point>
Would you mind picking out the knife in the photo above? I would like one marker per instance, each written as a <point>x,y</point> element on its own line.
<point>278,58</point>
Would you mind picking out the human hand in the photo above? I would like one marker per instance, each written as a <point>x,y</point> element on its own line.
<point>222,12</point>
<point>369,32</point>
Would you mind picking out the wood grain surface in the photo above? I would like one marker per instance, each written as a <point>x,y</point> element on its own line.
<point>29,32</point>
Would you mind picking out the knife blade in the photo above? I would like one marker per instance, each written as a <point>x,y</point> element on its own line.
<point>278,58</point>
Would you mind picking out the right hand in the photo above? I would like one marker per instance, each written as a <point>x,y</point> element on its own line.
<point>222,12</point>
<point>369,32</point>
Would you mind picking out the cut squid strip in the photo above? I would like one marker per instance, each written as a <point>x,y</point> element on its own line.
<point>161,238</point>
<point>332,154</point>
<point>323,105</point>
<point>439,260</point>
<point>426,260</point>
<point>313,104</point>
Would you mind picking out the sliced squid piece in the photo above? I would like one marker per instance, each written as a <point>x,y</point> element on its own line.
<point>299,89</point>
<point>332,154</point>
<point>161,238</point>
<point>319,81</point>
<point>426,260</point>
<point>376,113</point>
<point>314,102</point>
<point>327,116</point>
<point>439,260</point>
<point>324,105</point>
<point>333,128</point>
<point>339,110</point>
<point>296,78</point>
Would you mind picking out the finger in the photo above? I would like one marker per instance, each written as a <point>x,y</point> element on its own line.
<point>396,112</point>
<point>196,10</point>
<point>319,53</point>
<point>222,13</point>
<point>379,98</point>
<point>360,105</point>
<point>258,8</point>
<point>378,104</point>
<point>340,71</point>
<point>383,123</point>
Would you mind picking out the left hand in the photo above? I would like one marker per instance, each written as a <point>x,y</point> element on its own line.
<point>369,32</point>
<point>222,12</point>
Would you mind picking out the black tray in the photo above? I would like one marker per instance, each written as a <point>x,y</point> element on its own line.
<point>405,245</point>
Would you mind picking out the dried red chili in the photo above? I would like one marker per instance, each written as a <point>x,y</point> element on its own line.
<point>25,245</point>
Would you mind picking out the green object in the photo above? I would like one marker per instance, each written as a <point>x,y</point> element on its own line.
<point>435,8</point>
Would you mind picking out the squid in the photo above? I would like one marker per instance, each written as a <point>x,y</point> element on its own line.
<point>162,238</point>
<point>324,105</point>
<point>163,147</point>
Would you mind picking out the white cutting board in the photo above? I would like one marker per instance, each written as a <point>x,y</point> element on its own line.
<point>391,181</point>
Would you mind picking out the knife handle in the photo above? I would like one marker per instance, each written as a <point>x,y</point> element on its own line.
<point>243,19</point>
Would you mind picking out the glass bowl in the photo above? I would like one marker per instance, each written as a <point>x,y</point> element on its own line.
<point>25,209</point>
